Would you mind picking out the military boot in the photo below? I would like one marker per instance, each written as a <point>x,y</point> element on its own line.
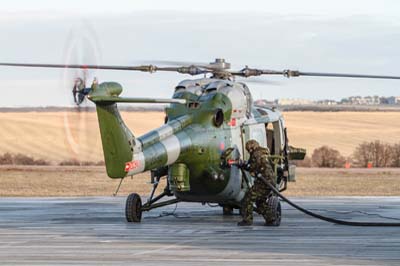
<point>244,223</point>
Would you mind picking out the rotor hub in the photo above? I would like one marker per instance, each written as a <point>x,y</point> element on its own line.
<point>220,64</point>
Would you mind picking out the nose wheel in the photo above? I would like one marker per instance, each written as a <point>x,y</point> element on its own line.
<point>227,210</point>
<point>133,208</point>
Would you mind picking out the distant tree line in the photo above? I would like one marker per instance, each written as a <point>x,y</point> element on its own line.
<point>367,154</point>
<point>22,159</point>
<point>374,154</point>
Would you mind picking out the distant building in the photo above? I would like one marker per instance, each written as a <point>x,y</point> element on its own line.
<point>263,102</point>
<point>393,100</point>
<point>352,100</point>
<point>358,100</point>
<point>327,102</point>
<point>372,100</point>
<point>294,102</point>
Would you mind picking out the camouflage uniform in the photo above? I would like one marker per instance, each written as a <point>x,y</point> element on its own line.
<point>258,165</point>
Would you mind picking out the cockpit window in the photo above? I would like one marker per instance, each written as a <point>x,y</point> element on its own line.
<point>208,90</point>
<point>193,105</point>
<point>180,88</point>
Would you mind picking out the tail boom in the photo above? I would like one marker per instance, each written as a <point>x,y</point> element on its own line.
<point>124,154</point>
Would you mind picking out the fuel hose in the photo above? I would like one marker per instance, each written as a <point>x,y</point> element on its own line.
<point>321,217</point>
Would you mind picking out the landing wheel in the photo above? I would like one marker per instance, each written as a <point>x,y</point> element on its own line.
<point>227,210</point>
<point>133,208</point>
<point>274,212</point>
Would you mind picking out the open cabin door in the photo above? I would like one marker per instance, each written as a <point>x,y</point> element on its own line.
<point>256,132</point>
<point>275,137</point>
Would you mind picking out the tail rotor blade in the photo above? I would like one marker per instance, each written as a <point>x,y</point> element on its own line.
<point>81,47</point>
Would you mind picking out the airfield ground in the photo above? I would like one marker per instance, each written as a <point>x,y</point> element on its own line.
<point>93,231</point>
<point>93,181</point>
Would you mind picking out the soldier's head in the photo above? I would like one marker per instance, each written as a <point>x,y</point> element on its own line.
<point>251,145</point>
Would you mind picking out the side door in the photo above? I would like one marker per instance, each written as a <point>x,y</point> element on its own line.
<point>256,132</point>
<point>279,137</point>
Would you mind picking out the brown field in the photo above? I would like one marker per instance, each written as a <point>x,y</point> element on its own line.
<point>92,181</point>
<point>341,130</point>
<point>58,136</point>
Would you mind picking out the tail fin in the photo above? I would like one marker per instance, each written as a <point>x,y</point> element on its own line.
<point>118,141</point>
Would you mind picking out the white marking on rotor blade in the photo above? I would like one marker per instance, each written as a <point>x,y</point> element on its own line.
<point>165,131</point>
<point>173,148</point>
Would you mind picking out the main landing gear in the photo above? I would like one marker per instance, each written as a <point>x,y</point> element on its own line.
<point>274,211</point>
<point>134,207</point>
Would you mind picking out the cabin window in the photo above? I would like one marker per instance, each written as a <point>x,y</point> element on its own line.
<point>218,117</point>
<point>193,105</point>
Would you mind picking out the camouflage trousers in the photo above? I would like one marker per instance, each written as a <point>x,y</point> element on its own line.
<point>257,194</point>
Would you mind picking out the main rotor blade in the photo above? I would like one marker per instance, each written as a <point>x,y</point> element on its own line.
<point>192,70</point>
<point>339,75</point>
<point>207,66</point>
<point>139,68</point>
<point>261,81</point>
<point>172,63</point>
<point>249,72</point>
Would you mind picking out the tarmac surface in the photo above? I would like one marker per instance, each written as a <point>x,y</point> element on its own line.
<point>92,230</point>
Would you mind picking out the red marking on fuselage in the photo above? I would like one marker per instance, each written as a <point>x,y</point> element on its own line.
<point>232,123</point>
<point>231,161</point>
<point>222,146</point>
<point>129,166</point>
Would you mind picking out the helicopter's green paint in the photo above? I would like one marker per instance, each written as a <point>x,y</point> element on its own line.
<point>115,135</point>
<point>199,128</point>
<point>115,138</point>
<point>179,177</point>
<point>172,127</point>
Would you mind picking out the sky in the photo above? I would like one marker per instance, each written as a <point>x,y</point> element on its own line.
<point>316,36</point>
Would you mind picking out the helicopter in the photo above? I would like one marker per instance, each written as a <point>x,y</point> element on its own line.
<point>207,124</point>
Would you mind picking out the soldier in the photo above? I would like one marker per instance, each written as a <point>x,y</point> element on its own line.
<point>259,167</point>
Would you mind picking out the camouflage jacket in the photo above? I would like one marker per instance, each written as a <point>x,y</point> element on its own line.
<point>259,163</point>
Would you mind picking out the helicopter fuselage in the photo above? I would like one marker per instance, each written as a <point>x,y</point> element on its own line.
<point>218,115</point>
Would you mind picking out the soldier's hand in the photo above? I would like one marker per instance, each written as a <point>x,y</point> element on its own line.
<point>246,165</point>
<point>225,162</point>
<point>226,153</point>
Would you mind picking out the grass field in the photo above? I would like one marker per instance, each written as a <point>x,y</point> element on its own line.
<point>343,131</point>
<point>58,136</point>
<point>92,181</point>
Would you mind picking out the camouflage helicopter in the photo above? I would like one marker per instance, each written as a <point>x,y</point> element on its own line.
<point>207,124</point>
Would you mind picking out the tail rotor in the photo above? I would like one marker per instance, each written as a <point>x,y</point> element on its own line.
<point>82,47</point>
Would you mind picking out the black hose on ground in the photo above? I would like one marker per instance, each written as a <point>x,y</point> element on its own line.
<point>324,218</point>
